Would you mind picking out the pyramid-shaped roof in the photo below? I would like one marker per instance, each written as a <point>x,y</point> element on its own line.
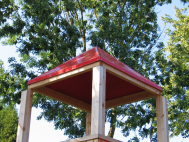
<point>93,55</point>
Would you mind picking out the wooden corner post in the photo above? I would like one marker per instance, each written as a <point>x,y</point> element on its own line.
<point>88,124</point>
<point>98,100</point>
<point>162,119</point>
<point>24,116</point>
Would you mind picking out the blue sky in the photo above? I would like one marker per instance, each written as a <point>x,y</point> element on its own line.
<point>42,130</point>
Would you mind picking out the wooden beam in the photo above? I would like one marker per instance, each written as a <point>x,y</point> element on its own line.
<point>132,80</point>
<point>88,124</point>
<point>98,100</point>
<point>107,138</point>
<point>128,99</point>
<point>63,98</point>
<point>90,138</point>
<point>24,116</point>
<point>63,76</point>
<point>162,119</point>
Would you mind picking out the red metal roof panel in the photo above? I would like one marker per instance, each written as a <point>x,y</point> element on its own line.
<point>81,60</point>
<point>107,58</point>
<point>89,57</point>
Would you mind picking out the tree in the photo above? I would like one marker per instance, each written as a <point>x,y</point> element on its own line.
<point>8,115</point>
<point>8,124</point>
<point>128,31</point>
<point>177,86</point>
<point>10,86</point>
<point>48,33</point>
<point>6,9</point>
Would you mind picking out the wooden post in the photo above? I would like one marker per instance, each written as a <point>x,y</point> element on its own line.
<point>98,100</point>
<point>24,116</point>
<point>88,124</point>
<point>162,119</point>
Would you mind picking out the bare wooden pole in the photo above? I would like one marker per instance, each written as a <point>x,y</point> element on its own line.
<point>24,116</point>
<point>98,100</point>
<point>88,124</point>
<point>162,119</point>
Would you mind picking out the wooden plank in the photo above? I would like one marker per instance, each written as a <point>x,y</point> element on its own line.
<point>98,100</point>
<point>162,119</point>
<point>131,79</point>
<point>98,136</point>
<point>24,116</point>
<point>90,141</point>
<point>107,138</point>
<point>128,99</point>
<point>63,98</point>
<point>92,138</point>
<point>88,124</point>
<point>96,140</point>
<point>63,76</point>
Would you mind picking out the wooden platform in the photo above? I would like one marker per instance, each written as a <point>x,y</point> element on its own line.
<point>93,138</point>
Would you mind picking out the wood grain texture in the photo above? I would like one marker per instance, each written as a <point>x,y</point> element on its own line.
<point>162,119</point>
<point>98,100</point>
<point>24,116</point>
<point>63,76</point>
<point>63,98</point>
<point>88,124</point>
<point>132,80</point>
<point>128,99</point>
<point>91,138</point>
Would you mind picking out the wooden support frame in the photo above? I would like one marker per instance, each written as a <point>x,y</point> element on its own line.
<point>98,100</point>
<point>99,63</point>
<point>128,99</point>
<point>63,76</point>
<point>99,136</point>
<point>88,124</point>
<point>87,107</point>
<point>130,79</point>
<point>162,119</point>
<point>64,98</point>
<point>89,67</point>
<point>93,138</point>
<point>24,116</point>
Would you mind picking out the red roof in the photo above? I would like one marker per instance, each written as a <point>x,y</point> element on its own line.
<point>93,55</point>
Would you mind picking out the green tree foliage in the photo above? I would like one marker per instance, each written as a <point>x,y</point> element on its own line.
<point>176,88</point>
<point>8,124</point>
<point>10,86</point>
<point>48,33</point>
<point>134,139</point>
<point>128,30</point>
<point>8,115</point>
<point>6,9</point>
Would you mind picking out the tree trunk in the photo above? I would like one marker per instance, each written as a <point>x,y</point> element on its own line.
<point>84,41</point>
<point>112,123</point>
